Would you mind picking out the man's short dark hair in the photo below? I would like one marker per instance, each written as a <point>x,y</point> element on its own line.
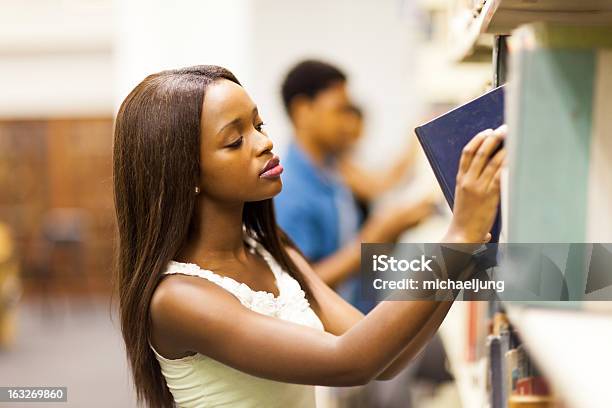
<point>308,78</point>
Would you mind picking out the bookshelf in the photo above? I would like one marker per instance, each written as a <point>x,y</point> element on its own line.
<point>55,160</point>
<point>570,345</point>
<point>495,17</point>
<point>470,376</point>
<point>576,361</point>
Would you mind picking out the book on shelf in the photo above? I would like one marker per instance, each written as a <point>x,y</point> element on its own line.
<point>511,372</point>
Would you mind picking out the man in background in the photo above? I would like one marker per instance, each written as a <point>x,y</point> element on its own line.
<point>318,208</point>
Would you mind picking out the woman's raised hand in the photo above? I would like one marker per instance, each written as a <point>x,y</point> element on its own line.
<point>477,190</point>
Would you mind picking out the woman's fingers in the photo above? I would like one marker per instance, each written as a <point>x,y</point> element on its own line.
<point>492,166</point>
<point>483,155</point>
<point>477,190</point>
<point>494,183</point>
<point>503,130</point>
<point>470,150</point>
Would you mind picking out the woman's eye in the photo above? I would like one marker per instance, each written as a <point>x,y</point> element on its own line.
<point>237,143</point>
<point>260,127</point>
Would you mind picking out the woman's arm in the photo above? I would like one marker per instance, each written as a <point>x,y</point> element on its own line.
<point>200,316</point>
<point>417,344</point>
<point>338,316</point>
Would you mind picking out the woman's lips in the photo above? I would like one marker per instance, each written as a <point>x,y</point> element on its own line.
<point>272,168</point>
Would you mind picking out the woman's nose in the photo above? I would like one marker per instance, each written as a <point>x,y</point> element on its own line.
<point>264,144</point>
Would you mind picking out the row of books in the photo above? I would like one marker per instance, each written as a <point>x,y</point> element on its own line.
<point>513,379</point>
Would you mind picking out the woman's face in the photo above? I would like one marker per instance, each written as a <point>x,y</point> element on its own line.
<point>234,149</point>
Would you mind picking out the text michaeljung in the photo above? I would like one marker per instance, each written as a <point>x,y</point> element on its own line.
<point>438,284</point>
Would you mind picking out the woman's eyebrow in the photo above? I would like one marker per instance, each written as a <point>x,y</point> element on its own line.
<point>234,122</point>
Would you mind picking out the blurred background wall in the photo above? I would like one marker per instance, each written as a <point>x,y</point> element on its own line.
<point>56,58</point>
<point>260,40</point>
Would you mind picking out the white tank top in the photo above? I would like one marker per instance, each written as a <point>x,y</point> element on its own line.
<point>200,381</point>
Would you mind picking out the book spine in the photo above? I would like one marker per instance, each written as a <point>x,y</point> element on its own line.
<point>446,190</point>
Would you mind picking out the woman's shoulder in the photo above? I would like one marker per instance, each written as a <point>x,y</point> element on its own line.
<point>177,291</point>
<point>193,312</point>
<point>180,301</point>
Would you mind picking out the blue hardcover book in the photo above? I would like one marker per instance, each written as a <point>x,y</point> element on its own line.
<point>444,137</point>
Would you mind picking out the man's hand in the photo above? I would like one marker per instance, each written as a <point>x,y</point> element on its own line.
<point>387,224</point>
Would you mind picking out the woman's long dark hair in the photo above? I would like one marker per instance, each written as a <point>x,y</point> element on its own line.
<point>156,164</point>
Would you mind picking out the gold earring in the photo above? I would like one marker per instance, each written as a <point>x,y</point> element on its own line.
<point>197,190</point>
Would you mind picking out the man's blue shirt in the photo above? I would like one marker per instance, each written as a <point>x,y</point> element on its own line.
<point>318,212</point>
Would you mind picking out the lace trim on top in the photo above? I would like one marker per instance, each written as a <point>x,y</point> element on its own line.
<point>291,296</point>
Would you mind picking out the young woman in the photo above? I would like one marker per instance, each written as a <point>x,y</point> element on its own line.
<point>217,307</point>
